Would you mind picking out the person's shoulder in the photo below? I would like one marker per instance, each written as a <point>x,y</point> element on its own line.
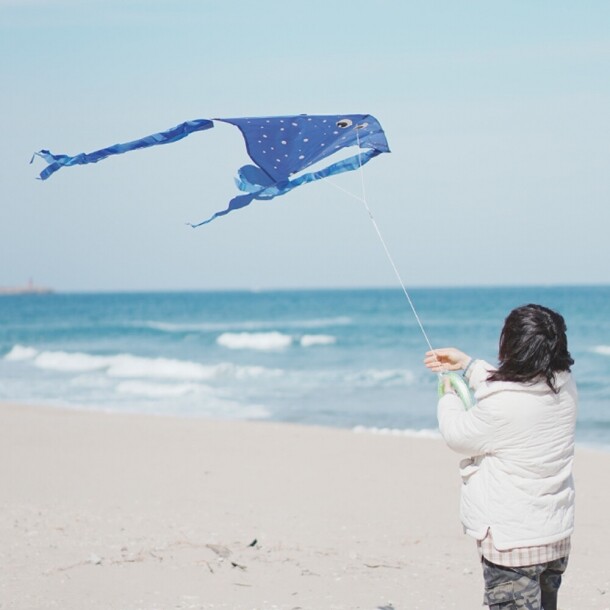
<point>491,387</point>
<point>562,380</point>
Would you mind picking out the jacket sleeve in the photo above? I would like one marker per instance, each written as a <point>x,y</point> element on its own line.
<point>478,373</point>
<point>467,432</point>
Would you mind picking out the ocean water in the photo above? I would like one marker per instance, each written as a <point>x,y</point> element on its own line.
<point>347,358</point>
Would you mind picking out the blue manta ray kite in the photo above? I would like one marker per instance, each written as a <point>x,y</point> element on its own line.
<point>280,148</point>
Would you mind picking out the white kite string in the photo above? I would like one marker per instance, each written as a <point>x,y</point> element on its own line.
<point>385,247</point>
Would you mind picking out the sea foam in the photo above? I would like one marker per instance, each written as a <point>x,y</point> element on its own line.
<point>67,362</point>
<point>157,390</point>
<point>130,366</point>
<point>411,432</point>
<point>383,377</point>
<point>189,399</point>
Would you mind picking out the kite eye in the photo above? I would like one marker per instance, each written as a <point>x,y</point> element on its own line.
<point>343,123</point>
<point>362,125</point>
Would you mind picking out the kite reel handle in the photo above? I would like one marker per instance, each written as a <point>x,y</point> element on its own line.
<point>460,387</point>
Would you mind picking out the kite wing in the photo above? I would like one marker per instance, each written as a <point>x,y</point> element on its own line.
<point>280,147</point>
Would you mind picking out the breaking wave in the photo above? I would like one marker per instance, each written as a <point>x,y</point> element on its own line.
<point>259,341</point>
<point>270,341</point>
<point>130,366</point>
<point>310,340</point>
<point>603,350</point>
<point>20,352</point>
<point>247,325</point>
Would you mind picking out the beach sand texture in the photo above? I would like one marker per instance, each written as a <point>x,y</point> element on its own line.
<point>106,511</point>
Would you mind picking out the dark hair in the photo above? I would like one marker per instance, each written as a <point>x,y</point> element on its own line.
<point>533,344</point>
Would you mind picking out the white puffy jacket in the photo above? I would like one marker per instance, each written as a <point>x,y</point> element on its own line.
<point>521,436</point>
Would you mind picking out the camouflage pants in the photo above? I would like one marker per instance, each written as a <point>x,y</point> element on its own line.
<point>524,588</point>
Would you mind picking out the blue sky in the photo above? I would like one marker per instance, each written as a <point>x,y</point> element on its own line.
<point>497,113</point>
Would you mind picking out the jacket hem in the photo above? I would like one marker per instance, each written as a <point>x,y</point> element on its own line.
<point>504,545</point>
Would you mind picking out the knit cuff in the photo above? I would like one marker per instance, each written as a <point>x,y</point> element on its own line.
<point>467,369</point>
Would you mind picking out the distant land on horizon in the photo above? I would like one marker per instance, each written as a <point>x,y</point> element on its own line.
<point>29,288</point>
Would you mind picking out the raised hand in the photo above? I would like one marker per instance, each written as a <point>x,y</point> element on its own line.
<point>446,359</point>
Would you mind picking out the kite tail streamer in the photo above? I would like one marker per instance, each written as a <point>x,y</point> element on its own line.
<point>56,162</point>
<point>241,201</point>
<point>285,186</point>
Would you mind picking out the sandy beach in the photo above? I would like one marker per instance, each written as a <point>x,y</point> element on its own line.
<point>106,511</point>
